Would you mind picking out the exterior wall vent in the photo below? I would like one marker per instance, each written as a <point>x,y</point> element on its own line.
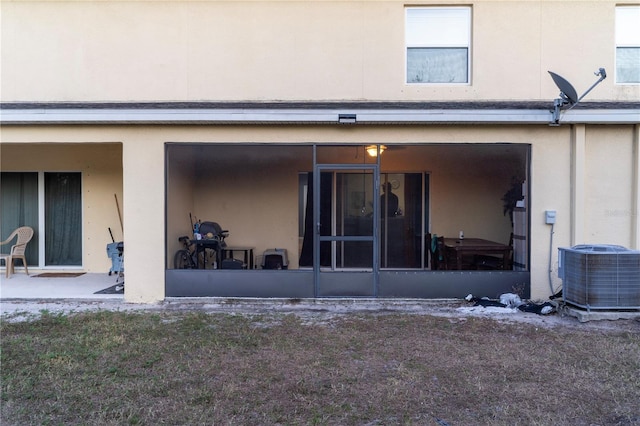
<point>600,276</point>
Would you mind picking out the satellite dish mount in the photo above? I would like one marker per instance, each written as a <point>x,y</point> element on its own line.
<point>568,95</point>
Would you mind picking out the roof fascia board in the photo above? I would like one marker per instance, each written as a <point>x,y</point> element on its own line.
<point>310,116</point>
<point>601,116</point>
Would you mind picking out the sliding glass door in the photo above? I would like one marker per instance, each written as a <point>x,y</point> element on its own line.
<point>50,203</point>
<point>403,221</point>
<point>63,219</point>
<point>19,207</point>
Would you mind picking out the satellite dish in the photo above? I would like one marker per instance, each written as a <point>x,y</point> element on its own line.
<point>567,91</point>
<point>568,95</point>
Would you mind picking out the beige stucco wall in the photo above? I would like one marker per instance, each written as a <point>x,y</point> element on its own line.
<point>292,50</point>
<point>609,199</point>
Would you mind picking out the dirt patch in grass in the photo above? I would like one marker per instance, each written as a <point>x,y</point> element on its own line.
<point>383,368</point>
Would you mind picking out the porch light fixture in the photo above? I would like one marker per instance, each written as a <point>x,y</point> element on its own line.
<point>372,150</point>
<point>568,95</point>
<point>347,118</point>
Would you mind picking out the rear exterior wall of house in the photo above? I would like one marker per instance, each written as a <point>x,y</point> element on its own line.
<point>132,52</point>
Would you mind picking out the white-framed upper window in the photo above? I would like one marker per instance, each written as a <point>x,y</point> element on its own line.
<point>628,44</point>
<point>438,42</point>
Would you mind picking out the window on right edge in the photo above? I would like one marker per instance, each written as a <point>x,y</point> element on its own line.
<point>627,44</point>
<point>438,42</point>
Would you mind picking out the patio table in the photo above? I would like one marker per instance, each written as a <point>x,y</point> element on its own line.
<point>227,252</point>
<point>472,246</point>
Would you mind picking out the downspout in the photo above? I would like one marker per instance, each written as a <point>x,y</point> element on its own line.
<point>635,188</point>
<point>578,160</point>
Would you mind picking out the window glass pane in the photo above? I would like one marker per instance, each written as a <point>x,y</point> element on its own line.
<point>63,219</point>
<point>19,207</point>
<point>628,65</point>
<point>426,65</point>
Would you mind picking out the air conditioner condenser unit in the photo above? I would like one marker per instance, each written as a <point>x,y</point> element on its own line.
<point>600,276</point>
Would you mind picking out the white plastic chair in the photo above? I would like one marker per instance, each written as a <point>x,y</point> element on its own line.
<point>24,234</point>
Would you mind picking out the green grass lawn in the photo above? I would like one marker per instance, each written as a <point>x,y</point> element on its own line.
<point>194,368</point>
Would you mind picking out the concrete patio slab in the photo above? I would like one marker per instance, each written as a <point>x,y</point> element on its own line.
<point>23,286</point>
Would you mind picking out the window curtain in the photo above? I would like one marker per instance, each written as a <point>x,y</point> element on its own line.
<point>63,219</point>
<point>413,216</point>
<point>19,207</point>
<point>306,254</point>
